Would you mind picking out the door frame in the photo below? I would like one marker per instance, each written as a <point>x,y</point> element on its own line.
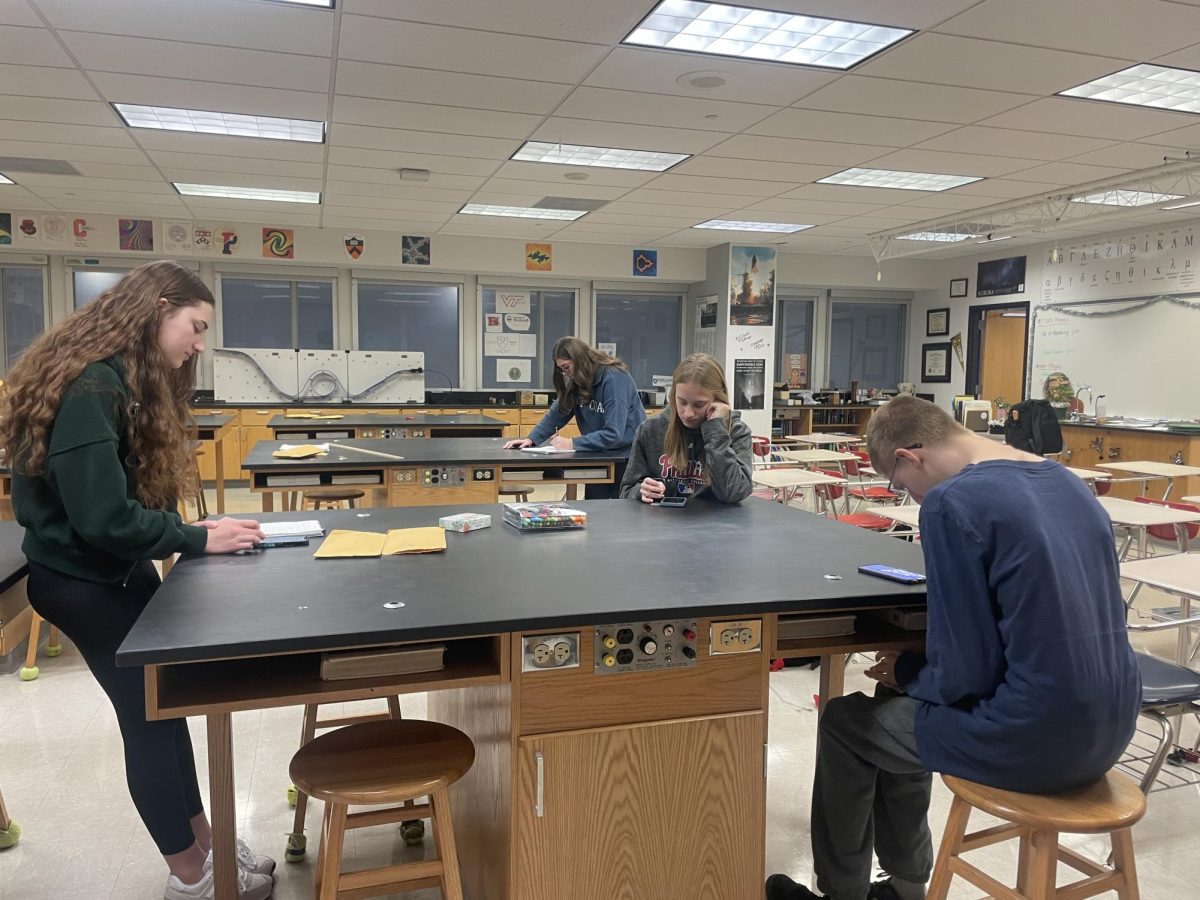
<point>975,318</point>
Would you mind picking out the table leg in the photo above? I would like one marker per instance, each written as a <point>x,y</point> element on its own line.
<point>572,492</point>
<point>1185,631</point>
<point>220,451</point>
<point>1143,541</point>
<point>268,501</point>
<point>1170,485</point>
<point>833,680</point>
<point>222,803</point>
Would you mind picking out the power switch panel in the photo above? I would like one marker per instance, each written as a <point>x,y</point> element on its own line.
<point>643,646</point>
<point>540,652</point>
<point>481,474</point>
<point>740,636</point>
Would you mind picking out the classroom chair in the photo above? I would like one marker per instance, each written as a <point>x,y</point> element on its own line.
<point>331,497</point>
<point>831,493</point>
<point>30,670</point>
<point>1170,535</point>
<point>1169,691</point>
<point>382,763</point>
<point>201,502</point>
<point>10,831</point>
<point>1112,806</point>
<point>760,448</point>
<point>412,830</point>
<point>867,490</point>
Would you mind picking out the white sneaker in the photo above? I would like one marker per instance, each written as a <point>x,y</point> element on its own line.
<point>250,886</point>
<point>249,861</point>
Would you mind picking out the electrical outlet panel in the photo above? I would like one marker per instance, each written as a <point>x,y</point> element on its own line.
<point>393,433</point>
<point>738,636</point>
<point>404,476</point>
<point>483,474</point>
<point>443,476</point>
<point>643,646</point>
<point>540,652</point>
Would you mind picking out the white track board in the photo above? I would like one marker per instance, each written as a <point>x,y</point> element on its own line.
<point>254,376</point>
<point>321,375</point>
<point>378,376</point>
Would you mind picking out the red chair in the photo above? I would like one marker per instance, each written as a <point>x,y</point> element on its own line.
<point>761,448</point>
<point>874,493</point>
<point>833,493</point>
<point>1168,534</point>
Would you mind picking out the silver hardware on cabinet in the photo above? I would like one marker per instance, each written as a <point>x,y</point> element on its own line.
<point>1178,458</point>
<point>539,807</point>
<point>1114,452</point>
<point>1098,444</point>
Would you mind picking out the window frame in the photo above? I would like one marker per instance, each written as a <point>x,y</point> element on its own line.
<point>517,284</point>
<point>290,277</point>
<point>903,299</point>
<point>681,292</point>
<point>45,270</point>
<point>432,279</point>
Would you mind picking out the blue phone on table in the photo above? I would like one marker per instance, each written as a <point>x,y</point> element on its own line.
<point>891,573</point>
<point>282,540</point>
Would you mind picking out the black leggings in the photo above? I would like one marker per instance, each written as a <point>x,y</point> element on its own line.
<point>159,766</point>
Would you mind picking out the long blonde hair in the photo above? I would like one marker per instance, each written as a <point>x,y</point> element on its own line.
<point>585,360</point>
<point>123,321</point>
<point>706,373</point>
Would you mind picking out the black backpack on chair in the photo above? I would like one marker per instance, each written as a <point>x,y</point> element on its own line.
<point>1032,426</point>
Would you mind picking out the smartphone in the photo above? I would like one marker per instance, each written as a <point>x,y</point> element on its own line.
<point>893,574</point>
<point>673,501</point>
<point>282,540</point>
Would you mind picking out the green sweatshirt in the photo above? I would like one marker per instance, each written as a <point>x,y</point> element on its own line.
<point>81,516</point>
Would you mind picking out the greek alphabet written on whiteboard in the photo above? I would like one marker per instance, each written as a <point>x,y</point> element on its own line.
<point>1136,264</point>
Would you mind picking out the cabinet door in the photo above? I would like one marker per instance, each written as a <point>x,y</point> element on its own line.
<point>250,435</point>
<point>669,811</point>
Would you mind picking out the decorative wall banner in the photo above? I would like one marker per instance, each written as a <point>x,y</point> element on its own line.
<point>706,325</point>
<point>355,244</point>
<point>749,383</point>
<point>28,229</point>
<point>495,344</point>
<point>228,237</point>
<point>752,286</point>
<point>279,243</point>
<point>202,239</point>
<point>517,321</point>
<point>796,369</point>
<point>513,302</point>
<point>645,263</point>
<point>493,322</point>
<point>6,228</point>
<point>177,237</point>
<point>54,229</point>
<point>81,232</point>
<point>1138,264</point>
<point>415,250</point>
<point>512,371</point>
<point>136,234</point>
<point>539,257</point>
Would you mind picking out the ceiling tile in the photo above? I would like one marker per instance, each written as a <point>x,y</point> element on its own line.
<point>487,226</point>
<point>397,140</point>
<point>733,167</point>
<point>570,189</point>
<point>224,145</point>
<point>44,81</point>
<point>143,172</point>
<point>910,100</point>
<point>136,205</point>
<point>444,177</point>
<point>14,196</point>
<point>638,206</point>
<point>275,180</point>
<point>660,72</point>
<point>702,185</point>
<point>72,153</point>
<point>32,47</point>
<point>1065,174</point>
<point>1089,118</point>
<point>1114,28</point>
<point>449,119</point>
<point>854,129</point>
<point>629,137</point>
<point>944,163</point>
<point>1006,142</point>
<point>604,105</point>
<point>1187,138</point>
<point>402,190</point>
<point>819,153</point>
<point>59,133</point>
<point>1001,189</point>
<point>209,95</point>
<point>17,12</point>
<point>362,79</point>
<point>461,50</point>
<point>349,217</point>
<point>1132,155</point>
<point>841,193</point>
<point>627,219</point>
<point>248,165</point>
<point>800,207</point>
<point>67,112</point>
<point>400,205</point>
<point>357,164</point>
<point>554,173</point>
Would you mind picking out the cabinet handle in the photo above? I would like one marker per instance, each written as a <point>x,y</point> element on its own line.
<point>539,807</point>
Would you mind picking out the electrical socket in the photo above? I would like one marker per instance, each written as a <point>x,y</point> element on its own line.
<point>549,651</point>
<point>735,637</point>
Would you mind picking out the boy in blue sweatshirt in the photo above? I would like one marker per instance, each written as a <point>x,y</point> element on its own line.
<point>1027,682</point>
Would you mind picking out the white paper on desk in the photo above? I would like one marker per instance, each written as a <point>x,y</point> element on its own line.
<point>307,528</point>
<point>324,447</point>
<point>512,371</point>
<point>548,448</point>
<point>510,345</point>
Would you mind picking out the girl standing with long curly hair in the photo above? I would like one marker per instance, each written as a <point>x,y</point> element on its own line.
<point>95,419</point>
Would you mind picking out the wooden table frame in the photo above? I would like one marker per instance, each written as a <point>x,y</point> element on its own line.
<point>216,432</point>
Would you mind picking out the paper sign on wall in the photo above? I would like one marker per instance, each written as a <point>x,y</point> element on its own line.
<point>517,321</point>
<point>609,348</point>
<point>493,322</point>
<point>509,371</point>
<point>513,302</point>
<point>509,345</point>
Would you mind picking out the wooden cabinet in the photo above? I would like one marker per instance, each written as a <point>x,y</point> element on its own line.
<point>530,418</point>
<point>671,810</point>
<point>1087,447</point>
<point>230,448</point>
<point>511,416</point>
<point>815,419</point>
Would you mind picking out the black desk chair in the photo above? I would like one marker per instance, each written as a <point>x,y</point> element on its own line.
<point>1168,691</point>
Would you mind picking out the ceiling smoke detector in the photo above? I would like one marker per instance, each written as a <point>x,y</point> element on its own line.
<point>576,176</point>
<point>707,80</point>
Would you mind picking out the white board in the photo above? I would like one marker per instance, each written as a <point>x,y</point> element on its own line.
<point>318,376</point>
<point>386,376</point>
<point>254,375</point>
<point>1141,358</point>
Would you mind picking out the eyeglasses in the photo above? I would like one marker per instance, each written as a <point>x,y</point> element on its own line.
<point>896,464</point>
<point>565,369</point>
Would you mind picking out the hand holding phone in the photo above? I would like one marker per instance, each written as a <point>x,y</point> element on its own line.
<point>891,573</point>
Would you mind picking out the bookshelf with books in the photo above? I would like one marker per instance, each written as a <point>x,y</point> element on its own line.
<point>851,419</point>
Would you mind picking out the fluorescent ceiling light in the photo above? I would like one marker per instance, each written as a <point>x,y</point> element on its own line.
<point>945,237</point>
<point>746,33</point>
<point>904,181</point>
<point>1145,85</point>
<point>773,227</point>
<point>4,179</point>
<point>604,157</point>
<point>1125,198</point>
<point>992,240</point>
<point>169,118</point>
<point>322,4</point>
<point>521,212</point>
<point>1184,205</point>
<point>245,193</point>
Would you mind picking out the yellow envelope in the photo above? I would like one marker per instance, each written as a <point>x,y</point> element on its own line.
<point>343,544</point>
<point>415,540</point>
<point>303,451</point>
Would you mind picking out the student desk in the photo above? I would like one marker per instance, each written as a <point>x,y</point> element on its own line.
<point>1178,574</point>
<point>589,782</point>
<point>1140,516</point>
<point>787,482</point>
<point>359,425</point>
<point>815,457</point>
<point>215,427</point>
<point>900,515</point>
<point>825,440</point>
<point>429,472</point>
<point>1152,469</point>
<point>15,613</point>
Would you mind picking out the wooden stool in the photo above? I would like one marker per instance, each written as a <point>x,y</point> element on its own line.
<point>10,831</point>
<point>376,763</point>
<point>1110,806</point>
<point>412,830</point>
<point>519,492</point>
<point>331,497</point>
<point>201,502</point>
<point>30,670</point>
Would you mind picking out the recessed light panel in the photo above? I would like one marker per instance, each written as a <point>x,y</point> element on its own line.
<point>1184,205</point>
<point>904,181</point>
<point>773,227</point>
<point>1145,85</point>
<point>941,237</point>
<point>6,180</point>
<point>747,33</point>
<point>1125,198</point>
<point>603,157</point>
<point>169,118</point>
<point>245,193</point>
<point>521,212</point>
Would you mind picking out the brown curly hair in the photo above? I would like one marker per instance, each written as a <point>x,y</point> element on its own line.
<point>587,360</point>
<point>123,321</point>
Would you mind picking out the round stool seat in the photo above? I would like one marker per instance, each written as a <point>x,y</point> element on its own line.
<point>1112,803</point>
<point>326,494</point>
<point>382,762</point>
<point>521,491</point>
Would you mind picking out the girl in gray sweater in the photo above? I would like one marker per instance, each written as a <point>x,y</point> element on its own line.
<point>698,440</point>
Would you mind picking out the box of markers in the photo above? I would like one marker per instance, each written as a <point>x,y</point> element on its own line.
<point>465,522</point>
<point>543,517</point>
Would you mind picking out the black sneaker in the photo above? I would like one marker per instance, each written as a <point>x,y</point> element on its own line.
<point>882,890</point>
<point>780,887</point>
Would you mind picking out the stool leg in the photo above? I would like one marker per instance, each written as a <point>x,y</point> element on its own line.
<point>329,857</point>
<point>351,502</point>
<point>443,833</point>
<point>1122,845</point>
<point>1043,865</point>
<point>54,645</point>
<point>296,843</point>
<point>30,670</point>
<point>1024,851</point>
<point>956,827</point>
